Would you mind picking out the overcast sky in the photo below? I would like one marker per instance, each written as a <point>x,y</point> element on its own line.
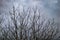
<point>49,7</point>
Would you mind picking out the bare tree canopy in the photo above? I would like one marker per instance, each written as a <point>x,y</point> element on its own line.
<point>28,24</point>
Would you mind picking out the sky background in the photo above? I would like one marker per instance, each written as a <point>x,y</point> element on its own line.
<point>50,8</point>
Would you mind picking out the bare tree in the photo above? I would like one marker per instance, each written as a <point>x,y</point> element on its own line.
<point>31,26</point>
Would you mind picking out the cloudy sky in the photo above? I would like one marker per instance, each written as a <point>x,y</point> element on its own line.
<point>49,7</point>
